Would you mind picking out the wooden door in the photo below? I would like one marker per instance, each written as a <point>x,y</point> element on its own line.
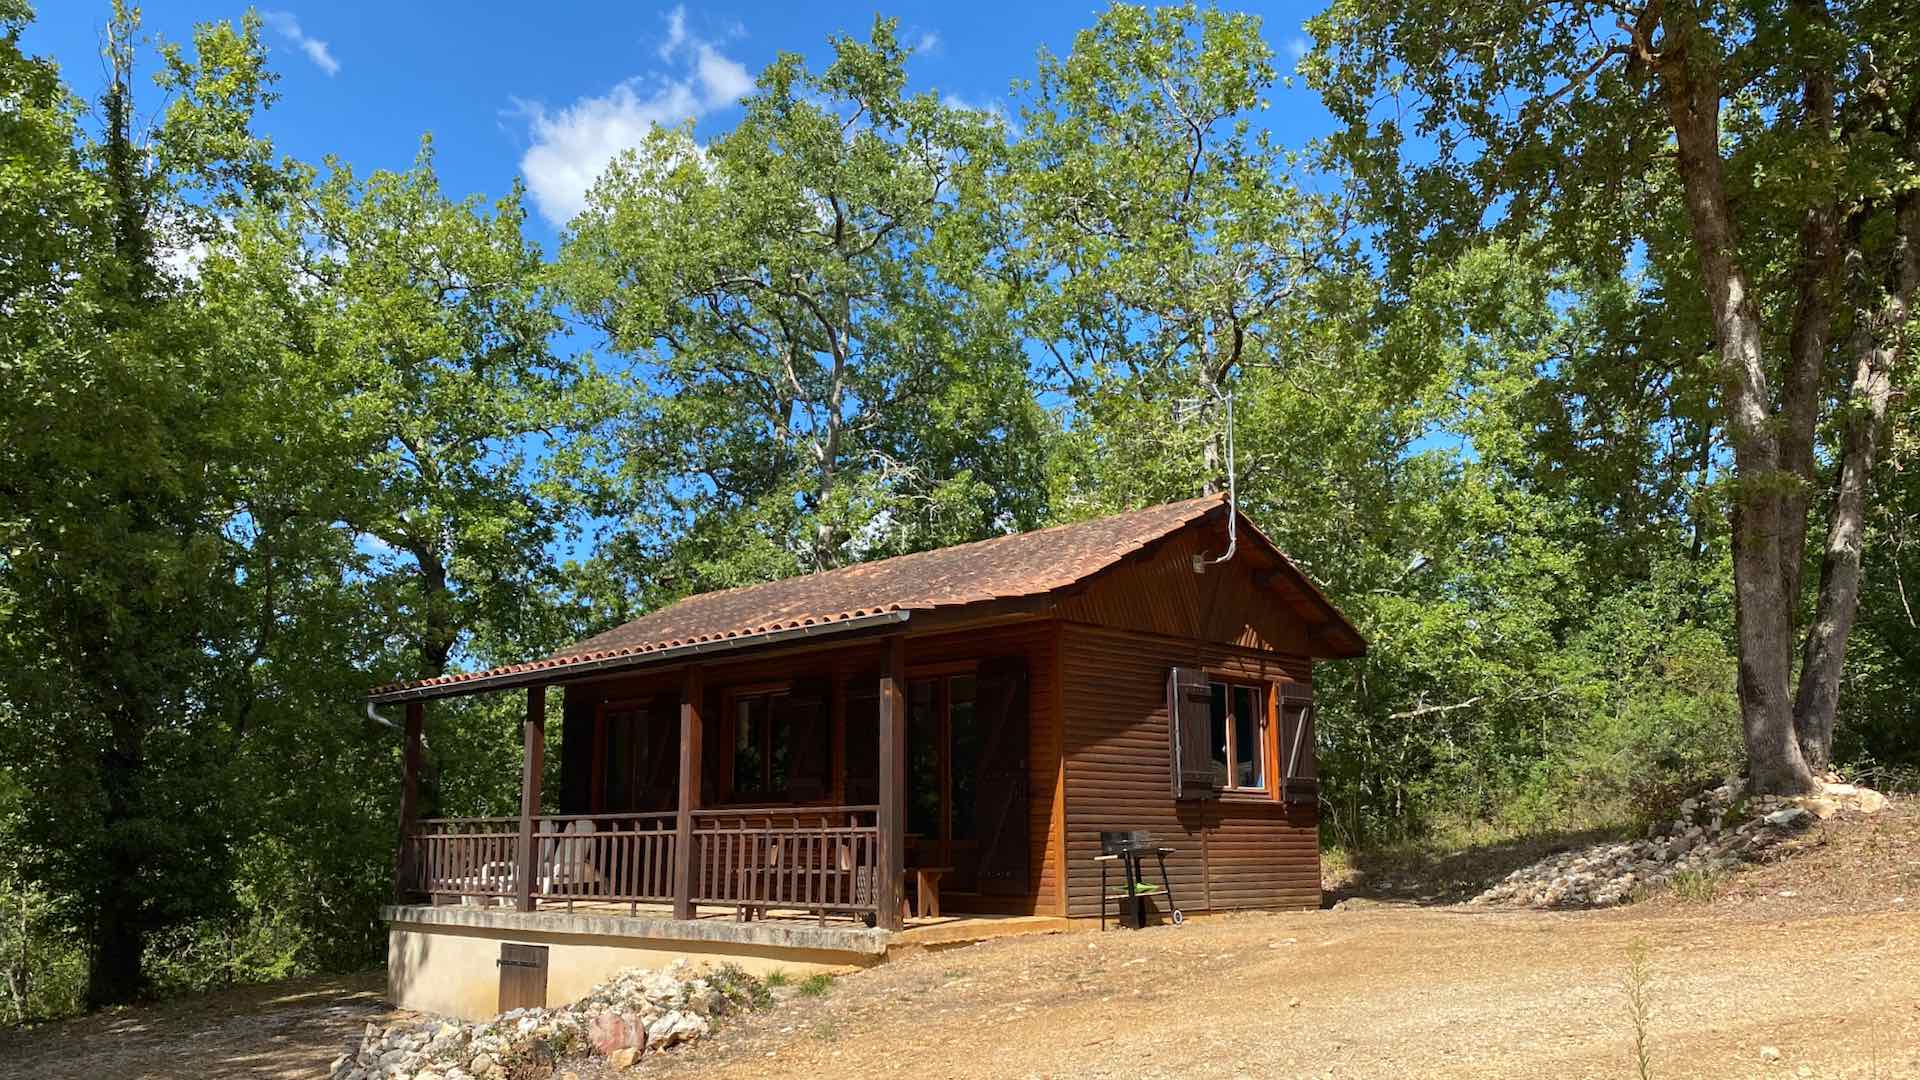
<point>967,777</point>
<point>1000,789</point>
<point>523,977</point>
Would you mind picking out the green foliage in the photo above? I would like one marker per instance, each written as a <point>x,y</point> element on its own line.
<point>1695,886</point>
<point>742,988</point>
<point>815,985</point>
<point>824,367</point>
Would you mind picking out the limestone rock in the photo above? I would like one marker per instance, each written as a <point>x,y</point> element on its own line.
<point>611,1031</point>
<point>624,1057</point>
<point>676,1027</point>
<point>1821,808</point>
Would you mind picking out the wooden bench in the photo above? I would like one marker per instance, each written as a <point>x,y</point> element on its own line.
<point>926,890</point>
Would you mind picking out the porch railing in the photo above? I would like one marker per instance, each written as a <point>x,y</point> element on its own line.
<point>817,860</point>
<point>470,857</point>
<point>610,858</point>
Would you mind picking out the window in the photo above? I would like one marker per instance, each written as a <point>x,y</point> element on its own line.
<point>752,752</point>
<point>782,746</point>
<point>1237,734</point>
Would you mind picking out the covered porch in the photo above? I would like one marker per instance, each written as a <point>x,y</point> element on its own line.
<point>848,783</point>
<point>822,860</point>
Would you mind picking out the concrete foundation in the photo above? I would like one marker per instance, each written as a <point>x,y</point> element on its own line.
<point>444,959</point>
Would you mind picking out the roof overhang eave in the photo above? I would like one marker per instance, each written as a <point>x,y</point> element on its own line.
<point>566,672</point>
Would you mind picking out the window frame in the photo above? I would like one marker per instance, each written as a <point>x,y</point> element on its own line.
<point>1264,737</point>
<point>730,701</point>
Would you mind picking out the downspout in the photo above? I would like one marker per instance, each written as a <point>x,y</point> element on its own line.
<point>373,714</point>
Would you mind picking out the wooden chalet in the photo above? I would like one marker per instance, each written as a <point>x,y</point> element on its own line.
<point>807,772</point>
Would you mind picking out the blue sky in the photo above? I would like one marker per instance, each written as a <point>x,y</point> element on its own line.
<point>549,92</point>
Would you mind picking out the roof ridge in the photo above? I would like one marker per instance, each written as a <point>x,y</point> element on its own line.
<point>816,575</point>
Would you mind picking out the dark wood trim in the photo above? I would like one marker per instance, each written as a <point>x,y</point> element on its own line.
<point>410,754</point>
<point>533,759</point>
<point>692,689</point>
<point>893,783</point>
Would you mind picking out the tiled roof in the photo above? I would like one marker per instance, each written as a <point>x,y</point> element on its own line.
<point>1004,567</point>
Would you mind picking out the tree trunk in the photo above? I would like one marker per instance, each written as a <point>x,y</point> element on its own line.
<point>117,939</point>
<point>1763,616</point>
<point>1879,343</point>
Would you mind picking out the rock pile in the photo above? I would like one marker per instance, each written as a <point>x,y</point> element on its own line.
<point>1715,830</point>
<point>622,1019</point>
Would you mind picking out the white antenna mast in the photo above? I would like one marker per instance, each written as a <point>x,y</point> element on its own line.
<point>1184,410</point>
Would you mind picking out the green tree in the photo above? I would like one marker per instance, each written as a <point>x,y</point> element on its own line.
<point>1166,246</point>
<point>825,362</point>
<point>132,439</point>
<point>1757,159</point>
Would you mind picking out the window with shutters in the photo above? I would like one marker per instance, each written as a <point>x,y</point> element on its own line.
<point>1237,735</point>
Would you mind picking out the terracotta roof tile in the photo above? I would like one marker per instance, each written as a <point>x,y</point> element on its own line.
<point>1004,567</point>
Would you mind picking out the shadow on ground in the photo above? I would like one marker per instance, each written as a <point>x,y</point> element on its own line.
<point>1416,877</point>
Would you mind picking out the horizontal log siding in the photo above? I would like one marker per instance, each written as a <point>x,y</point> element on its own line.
<point>1240,852</point>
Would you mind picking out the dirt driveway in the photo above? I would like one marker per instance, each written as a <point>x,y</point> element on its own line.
<point>1817,959</point>
<point>1379,993</point>
<point>283,1031</point>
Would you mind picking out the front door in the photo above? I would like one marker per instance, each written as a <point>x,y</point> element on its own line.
<point>967,778</point>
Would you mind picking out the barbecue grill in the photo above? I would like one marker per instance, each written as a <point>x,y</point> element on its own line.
<point>1130,849</point>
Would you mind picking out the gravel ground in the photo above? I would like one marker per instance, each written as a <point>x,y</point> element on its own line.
<point>1815,957</point>
<point>280,1031</point>
<point>1378,993</point>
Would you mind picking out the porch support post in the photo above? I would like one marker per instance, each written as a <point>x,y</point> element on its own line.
<point>692,688</point>
<point>409,798</point>
<point>533,760</point>
<point>893,783</point>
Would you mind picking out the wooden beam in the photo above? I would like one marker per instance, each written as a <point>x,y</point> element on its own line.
<point>533,762</point>
<point>410,754</point>
<point>692,689</point>
<point>893,783</point>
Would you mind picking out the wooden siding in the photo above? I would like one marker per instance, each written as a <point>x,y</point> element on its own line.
<point>1157,592</point>
<point>1241,851</point>
<point>1035,640</point>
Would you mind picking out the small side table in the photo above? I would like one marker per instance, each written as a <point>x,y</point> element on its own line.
<point>926,890</point>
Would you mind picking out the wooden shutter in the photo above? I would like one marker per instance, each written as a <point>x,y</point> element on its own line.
<point>1189,704</point>
<point>1299,775</point>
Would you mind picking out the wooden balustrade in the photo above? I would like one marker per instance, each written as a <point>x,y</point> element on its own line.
<point>619,858</point>
<point>817,860</point>
<point>822,860</point>
<point>462,857</point>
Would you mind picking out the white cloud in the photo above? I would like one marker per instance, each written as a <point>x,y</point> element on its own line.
<point>287,25</point>
<point>928,42</point>
<point>573,144</point>
<point>1298,46</point>
<point>991,108</point>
